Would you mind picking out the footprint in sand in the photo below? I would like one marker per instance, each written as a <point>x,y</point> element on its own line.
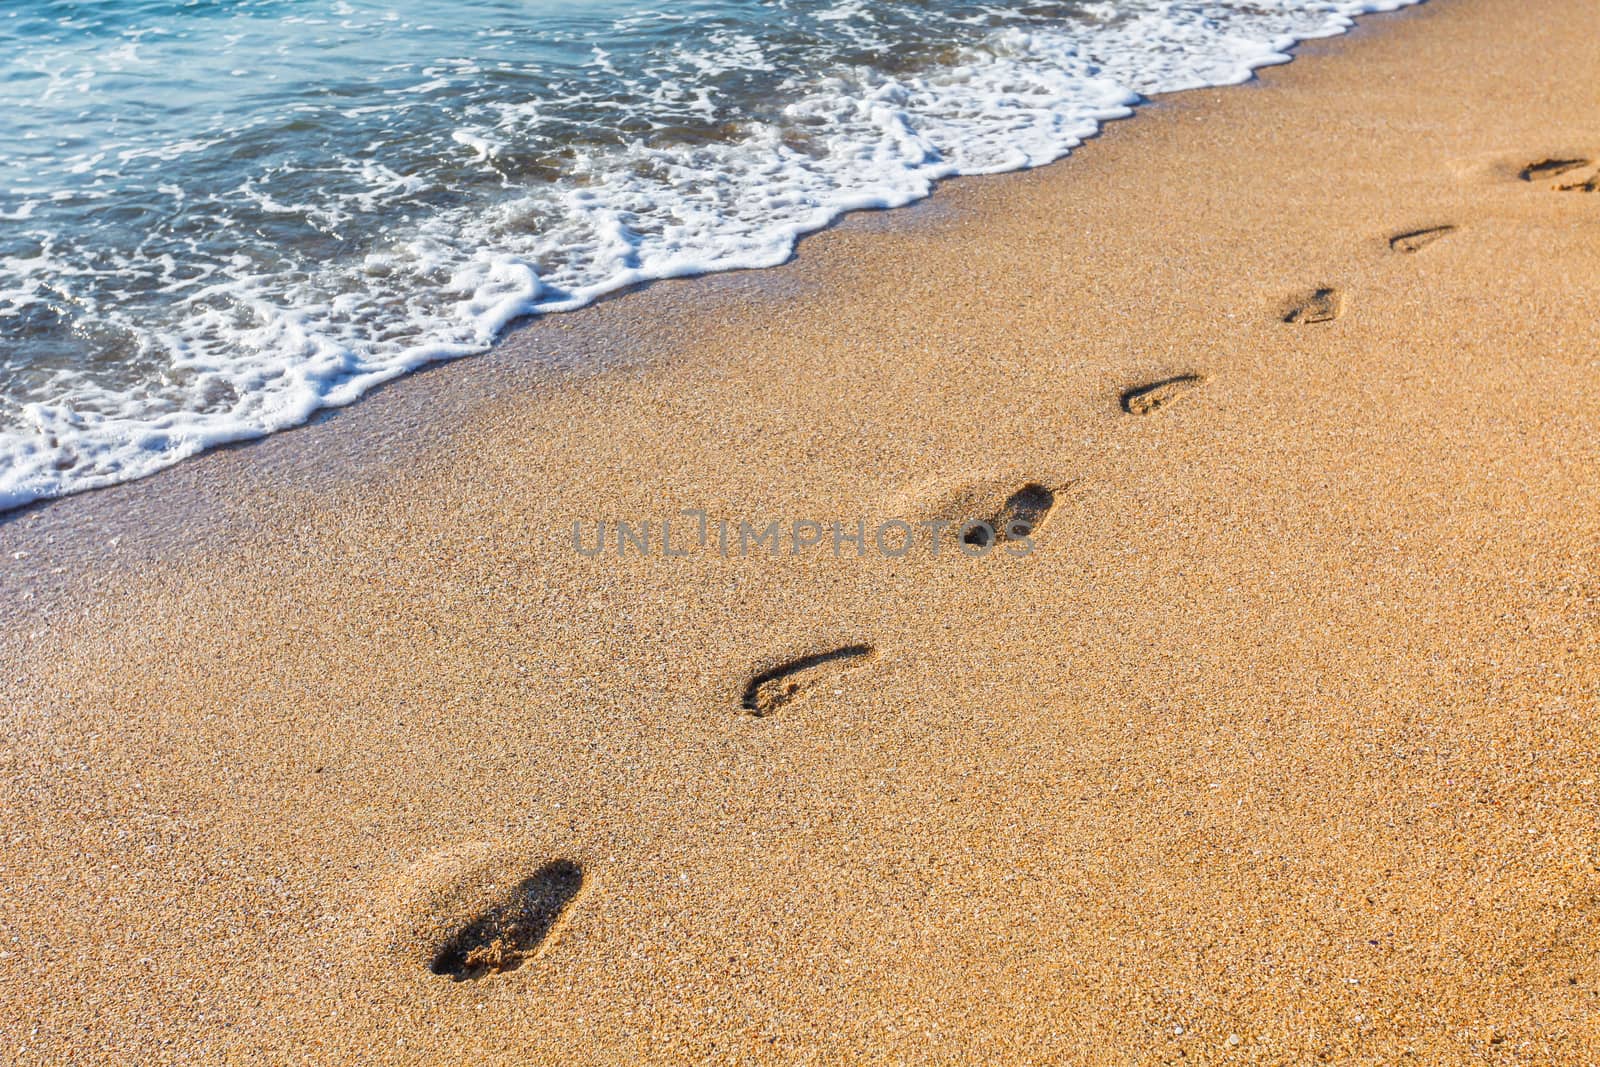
<point>1316,305</point>
<point>1146,399</point>
<point>977,514</point>
<point>473,910</point>
<point>1564,168</point>
<point>1023,512</point>
<point>771,690</point>
<point>1413,241</point>
<point>512,929</point>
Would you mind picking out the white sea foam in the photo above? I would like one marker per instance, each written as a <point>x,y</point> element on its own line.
<point>256,341</point>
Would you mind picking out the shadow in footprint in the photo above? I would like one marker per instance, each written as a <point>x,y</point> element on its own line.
<point>1546,169</point>
<point>782,685</point>
<point>1023,512</point>
<point>1413,241</point>
<point>512,931</point>
<point>1316,305</point>
<point>970,516</point>
<point>1551,168</point>
<point>1145,399</point>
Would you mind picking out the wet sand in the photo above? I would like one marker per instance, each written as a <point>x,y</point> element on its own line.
<point>1276,739</point>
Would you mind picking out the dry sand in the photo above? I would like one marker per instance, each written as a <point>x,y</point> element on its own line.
<point>1280,745</point>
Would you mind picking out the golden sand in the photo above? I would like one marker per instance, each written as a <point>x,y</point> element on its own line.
<point>1275,740</point>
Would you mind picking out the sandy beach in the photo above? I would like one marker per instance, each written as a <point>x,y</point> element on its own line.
<point>1274,741</point>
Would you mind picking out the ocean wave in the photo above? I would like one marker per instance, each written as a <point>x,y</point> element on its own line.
<point>277,267</point>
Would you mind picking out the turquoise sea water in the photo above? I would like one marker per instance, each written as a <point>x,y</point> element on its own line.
<point>217,216</point>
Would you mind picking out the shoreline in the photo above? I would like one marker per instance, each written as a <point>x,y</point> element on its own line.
<point>65,454</point>
<point>558,364</point>
<point>1279,744</point>
<point>229,490</point>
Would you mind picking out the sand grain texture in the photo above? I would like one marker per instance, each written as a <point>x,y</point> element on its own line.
<point>1280,745</point>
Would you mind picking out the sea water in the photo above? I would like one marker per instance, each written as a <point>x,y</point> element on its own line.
<point>218,216</point>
